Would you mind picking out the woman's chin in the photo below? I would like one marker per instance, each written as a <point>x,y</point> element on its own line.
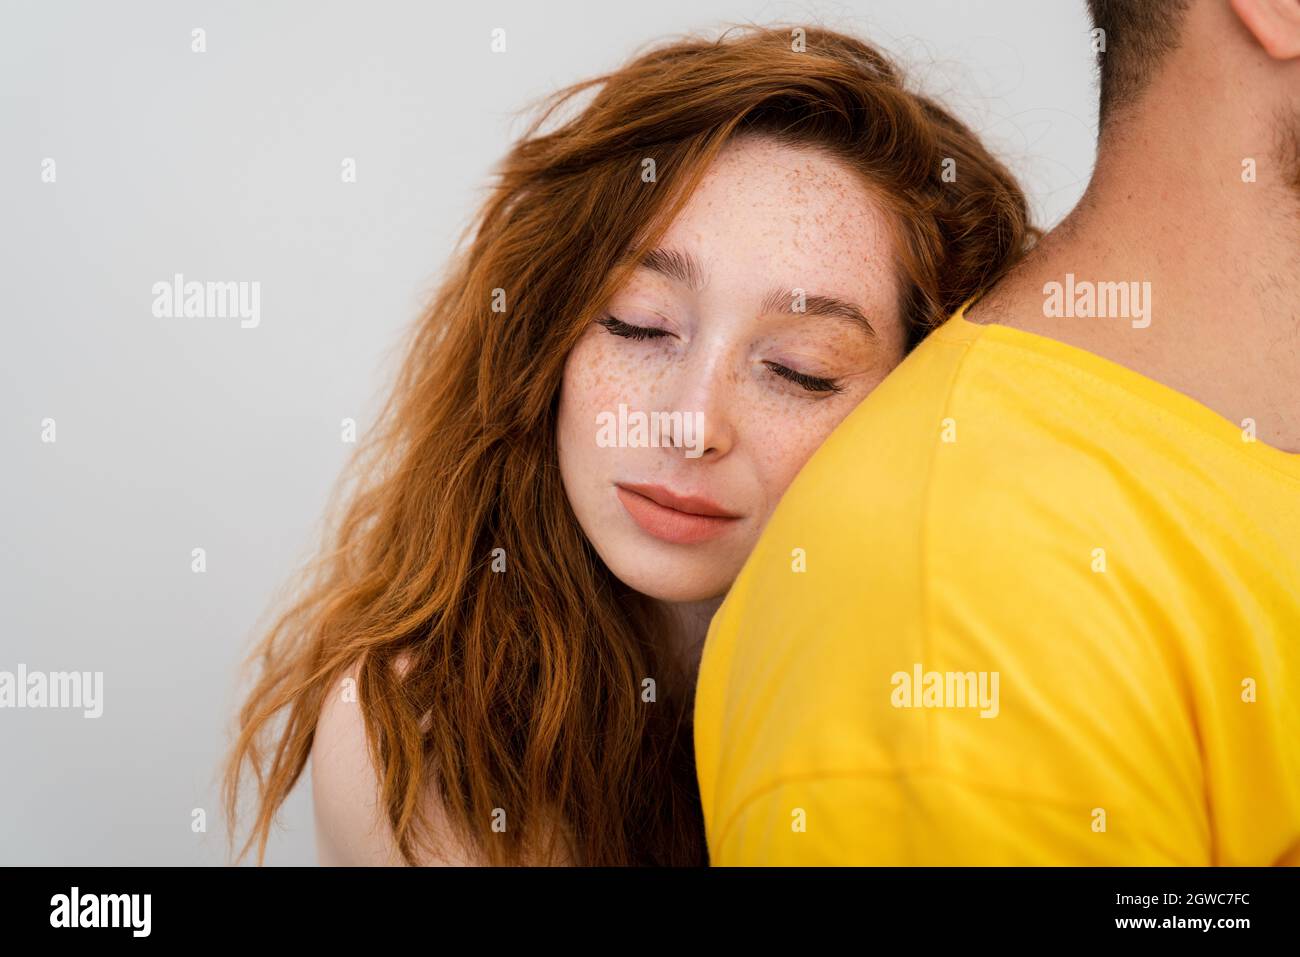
<point>681,582</point>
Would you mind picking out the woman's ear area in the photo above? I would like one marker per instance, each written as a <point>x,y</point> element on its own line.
<point>1275,25</point>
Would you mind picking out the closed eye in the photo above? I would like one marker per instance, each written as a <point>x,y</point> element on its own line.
<point>628,331</point>
<point>810,382</point>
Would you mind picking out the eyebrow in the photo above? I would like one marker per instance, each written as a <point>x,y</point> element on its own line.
<point>684,268</point>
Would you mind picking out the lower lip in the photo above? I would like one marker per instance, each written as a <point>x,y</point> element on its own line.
<point>670,525</point>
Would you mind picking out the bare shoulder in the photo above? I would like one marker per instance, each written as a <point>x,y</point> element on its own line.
<point>351,828</point>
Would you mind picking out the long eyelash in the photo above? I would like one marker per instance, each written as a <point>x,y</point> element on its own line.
<point>639,333</point>
<point>628,331</point>
<point>809,382</point>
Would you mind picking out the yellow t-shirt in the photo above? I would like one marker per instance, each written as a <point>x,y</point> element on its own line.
<point>1024,606</point>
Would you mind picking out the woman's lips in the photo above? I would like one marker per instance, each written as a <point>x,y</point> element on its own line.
<point>680,519</point>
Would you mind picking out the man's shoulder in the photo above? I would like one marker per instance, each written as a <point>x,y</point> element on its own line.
<point>889,439</point>
<point>968,414</point>
<point>987,414</point>
<point>975,471</point>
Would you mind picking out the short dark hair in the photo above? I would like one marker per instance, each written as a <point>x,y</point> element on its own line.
<point>1138,34</point>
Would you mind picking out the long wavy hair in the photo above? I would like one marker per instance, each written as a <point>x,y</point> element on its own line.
<point>522,690</point>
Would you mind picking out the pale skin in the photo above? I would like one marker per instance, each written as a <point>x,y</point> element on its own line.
<point>351,829</point>
<point>1167,205</point>
<point>765,217</point>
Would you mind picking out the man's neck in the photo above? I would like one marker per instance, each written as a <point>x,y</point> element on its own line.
<point>1169,207</point>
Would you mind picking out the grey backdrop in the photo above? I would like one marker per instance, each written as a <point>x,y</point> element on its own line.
<point>173,434</point>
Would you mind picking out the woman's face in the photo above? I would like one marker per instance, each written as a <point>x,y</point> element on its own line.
<point>769,311</point>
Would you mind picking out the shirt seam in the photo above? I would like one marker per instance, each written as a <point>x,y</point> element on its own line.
<point>926,770</point>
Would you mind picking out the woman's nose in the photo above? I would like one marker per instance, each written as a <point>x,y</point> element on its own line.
<point>704,389</point>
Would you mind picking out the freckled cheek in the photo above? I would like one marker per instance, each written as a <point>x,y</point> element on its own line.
<point>782,436</point>
<point>601,374</point>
